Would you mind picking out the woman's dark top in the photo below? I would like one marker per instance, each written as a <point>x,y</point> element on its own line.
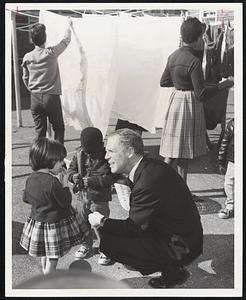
<point>50,201</point>
<point>184,72</point>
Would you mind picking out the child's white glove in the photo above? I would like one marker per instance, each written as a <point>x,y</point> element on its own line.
<point>95,219</point>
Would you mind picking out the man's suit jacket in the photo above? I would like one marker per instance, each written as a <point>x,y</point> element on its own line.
<point>160,205</point>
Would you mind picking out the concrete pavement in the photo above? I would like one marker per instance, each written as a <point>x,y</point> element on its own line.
<point>212,270</point>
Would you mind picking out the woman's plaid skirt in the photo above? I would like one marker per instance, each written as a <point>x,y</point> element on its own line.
<point>184,129</point>
<point>52,240</point>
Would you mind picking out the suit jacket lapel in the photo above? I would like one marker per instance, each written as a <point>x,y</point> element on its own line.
<point>139,170</point>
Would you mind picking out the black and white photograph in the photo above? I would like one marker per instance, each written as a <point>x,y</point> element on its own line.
<point>122,173</point>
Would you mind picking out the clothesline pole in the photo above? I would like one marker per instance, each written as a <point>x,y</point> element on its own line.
<point>16,71</point>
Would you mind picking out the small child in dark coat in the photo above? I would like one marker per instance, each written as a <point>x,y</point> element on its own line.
<point>226,166</point>
<point>92,179</point>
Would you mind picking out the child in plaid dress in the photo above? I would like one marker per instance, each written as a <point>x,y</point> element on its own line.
<point>52,227</point>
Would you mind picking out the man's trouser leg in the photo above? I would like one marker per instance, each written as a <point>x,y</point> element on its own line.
<point>39,114</point>
<point>54,111</point>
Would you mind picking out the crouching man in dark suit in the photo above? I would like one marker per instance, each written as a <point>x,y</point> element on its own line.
<point>163,231</point>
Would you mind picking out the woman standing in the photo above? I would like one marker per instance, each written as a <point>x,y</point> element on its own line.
<point>184,130</point>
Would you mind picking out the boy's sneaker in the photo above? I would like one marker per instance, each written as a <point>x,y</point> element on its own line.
<point>82,252</point>
<point>226,213</point>
<point>103,259</point>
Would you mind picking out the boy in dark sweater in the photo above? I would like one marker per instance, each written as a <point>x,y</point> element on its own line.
<point>91,176</point>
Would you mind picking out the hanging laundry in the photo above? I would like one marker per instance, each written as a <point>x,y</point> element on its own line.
<point>88,68</point>
<point>144,46</point>
<point>214,107</point>
<point>227,68</point>
<point>213,58</point>
<point>114,64</point>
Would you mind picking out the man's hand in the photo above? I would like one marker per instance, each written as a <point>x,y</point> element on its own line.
<point>95,219</point>
<point>76,178</point>
<point>225,84</point>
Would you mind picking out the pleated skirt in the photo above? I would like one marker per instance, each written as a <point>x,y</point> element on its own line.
<point>184,128</point>
<point>52,240</point>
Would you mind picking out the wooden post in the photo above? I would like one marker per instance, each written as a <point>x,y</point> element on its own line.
<point>16,71</point>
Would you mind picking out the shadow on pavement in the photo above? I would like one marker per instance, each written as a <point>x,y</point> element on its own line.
<point>72,140</point>
<point>17,228</point>
<point>205,164</point>
<point>213,269</point>
<point>20,165</point>
<point>80,265</point>
<point>20,146</point>
<point>211,191</point>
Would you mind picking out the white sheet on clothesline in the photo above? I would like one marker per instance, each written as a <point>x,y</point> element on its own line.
<point>118,70</point>
<point>88,80</point>
<point>144,46</point>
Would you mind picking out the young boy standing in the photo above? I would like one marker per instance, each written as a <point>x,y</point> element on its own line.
<point>42,78</point>
<point>90,173</point>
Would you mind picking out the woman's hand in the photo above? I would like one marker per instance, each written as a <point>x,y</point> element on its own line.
<point>226,84</point>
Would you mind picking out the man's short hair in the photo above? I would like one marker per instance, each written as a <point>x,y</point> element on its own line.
<point>130,138</point>
<point>38,34</point>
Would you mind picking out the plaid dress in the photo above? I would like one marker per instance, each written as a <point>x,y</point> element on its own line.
<point>52,240</point>
<point>53,227</point>
<point>184,129</point>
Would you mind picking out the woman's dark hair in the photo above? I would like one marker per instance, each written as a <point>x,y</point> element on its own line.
<point>38,34</point>
<point>45,153</point>
<point>191,29</point>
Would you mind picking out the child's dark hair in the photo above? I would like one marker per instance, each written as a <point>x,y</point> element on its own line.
<point>45,153</point>
<point>91,139</point>
<point>38,34</point>
<point>191,29</point>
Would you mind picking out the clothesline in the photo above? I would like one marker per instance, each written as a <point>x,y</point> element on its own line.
<point>97,11</point>
<point>26,30</point>
<point>29,25</point>
<point>24,14</point>
<point>75,11</point>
